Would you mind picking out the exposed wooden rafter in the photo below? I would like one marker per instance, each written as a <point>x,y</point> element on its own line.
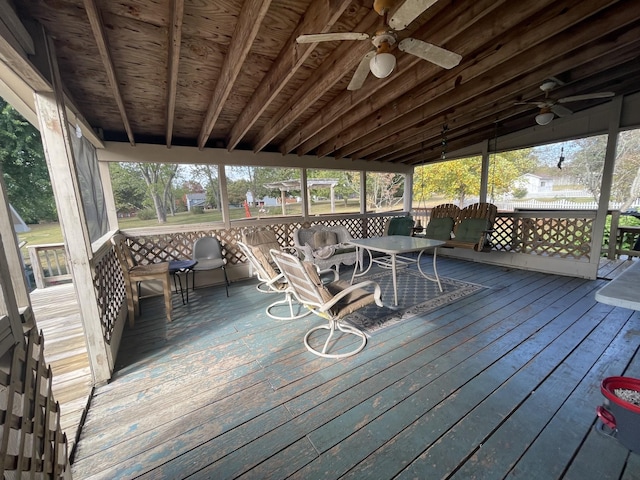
<point>105,54</point>
<point>175,38</point>
<point>251,17</point>
<point>244,83</point>
<point>319,18</point>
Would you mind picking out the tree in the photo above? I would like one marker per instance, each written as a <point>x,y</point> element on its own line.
<point>159,178</point>
<point>24,168</point>
<point>129,189</point>
<point>587,163</point>
<point>237,191</point>
<point>460,179</point>
<point>384,189</point>
<point>456,180</point>
<point>626,179</point>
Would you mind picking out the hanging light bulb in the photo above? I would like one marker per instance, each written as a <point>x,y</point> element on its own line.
<point>544,117</point>
<point>382,64</point>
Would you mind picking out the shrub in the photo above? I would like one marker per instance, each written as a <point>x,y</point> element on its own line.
<point>197,210</point>
<point>146,214</point>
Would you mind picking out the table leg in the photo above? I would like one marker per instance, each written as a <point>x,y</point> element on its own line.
<point>355,267</point>
<point>435,269</point>
<point>395,280</point>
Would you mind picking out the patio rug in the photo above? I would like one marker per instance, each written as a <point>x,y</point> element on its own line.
<point>416,296</point>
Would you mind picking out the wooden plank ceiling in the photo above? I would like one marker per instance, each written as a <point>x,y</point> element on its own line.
<point>229,73</point>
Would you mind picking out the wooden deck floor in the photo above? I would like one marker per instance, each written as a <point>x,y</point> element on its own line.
<point>501,384</point>
<point>58,317</point>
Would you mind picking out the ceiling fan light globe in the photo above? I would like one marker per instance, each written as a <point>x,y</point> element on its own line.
<point>544,118</point>
<point>382,64</point>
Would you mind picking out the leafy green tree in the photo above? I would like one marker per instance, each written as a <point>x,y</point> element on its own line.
<point>456,180</point>
<point>237,191</point>
<point>159,179</point>
<point>459,180</point>
<point>24,168</point>
<point>129,188</point>
<point>208,176</point>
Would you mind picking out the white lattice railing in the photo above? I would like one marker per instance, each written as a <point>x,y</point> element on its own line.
<point>558,233</point>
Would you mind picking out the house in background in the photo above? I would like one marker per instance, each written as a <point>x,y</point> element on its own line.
<point>535,184</point>
<point>195,200</point>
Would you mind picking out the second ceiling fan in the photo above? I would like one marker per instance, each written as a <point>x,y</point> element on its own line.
<point>550,107</point>
<point>381,62</point>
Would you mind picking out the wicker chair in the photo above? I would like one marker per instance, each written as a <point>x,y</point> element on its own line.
<point>332,301</point>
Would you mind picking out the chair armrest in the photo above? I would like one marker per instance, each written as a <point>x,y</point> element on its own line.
<point>304,252</point>
<point>377,294</point>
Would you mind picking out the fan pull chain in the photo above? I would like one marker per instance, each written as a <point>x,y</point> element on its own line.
<point>443,155</point>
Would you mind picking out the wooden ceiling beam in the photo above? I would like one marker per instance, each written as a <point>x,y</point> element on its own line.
<point>319,18</point>
<point>343,59</point>
<point>524,52</point>
<point>249,22</point>
<point>498,102</point>
<point>511,119</point>
<point>608,64</point>
<point>445,26</point>
<point>175,39</point>
<point>105,54</point>
<point>473,43</point>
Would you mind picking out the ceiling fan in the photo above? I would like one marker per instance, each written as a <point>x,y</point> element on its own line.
<point>549,107</point>
<point>381,62</point>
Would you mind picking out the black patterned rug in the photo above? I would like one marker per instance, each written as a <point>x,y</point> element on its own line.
<point>416,296</point>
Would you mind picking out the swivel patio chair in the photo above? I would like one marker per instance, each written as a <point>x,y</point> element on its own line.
<point>332,301</point>
<point>255,246</point>
<point>208,254</point>
<point>134,274</point>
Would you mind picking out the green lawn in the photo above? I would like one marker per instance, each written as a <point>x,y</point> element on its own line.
<point>51,233</point>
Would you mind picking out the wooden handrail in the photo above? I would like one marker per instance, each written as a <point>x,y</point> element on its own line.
<point>49,264</point>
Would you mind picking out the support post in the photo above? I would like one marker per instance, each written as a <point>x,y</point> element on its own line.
<point>54,129</point>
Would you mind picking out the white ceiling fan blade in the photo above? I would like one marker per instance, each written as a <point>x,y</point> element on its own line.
<point>408,12</point>
<point>586,96</point>
<point>361,72</point>
<point>561,111</point>
<point>427,51</point>
<point>330,37</point>
<point>537,104</point>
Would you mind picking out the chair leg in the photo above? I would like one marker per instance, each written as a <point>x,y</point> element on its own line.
<point>226,280</point>
<point>286,301</point>
<point>166,285</point>
<point>131,308</point>
<point>332,328</point>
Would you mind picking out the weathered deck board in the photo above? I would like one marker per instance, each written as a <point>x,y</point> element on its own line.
<point>503,383</point>
<point>57,316</point>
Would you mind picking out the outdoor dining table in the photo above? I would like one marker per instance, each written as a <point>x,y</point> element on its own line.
<point>395,246</point>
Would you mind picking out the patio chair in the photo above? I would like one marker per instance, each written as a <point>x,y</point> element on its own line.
<point>399,226</point>
<point>326,247</point>
<point>332,301</point>
<point>134,274</point>
<point>208,254</point>
<point>255,246</point>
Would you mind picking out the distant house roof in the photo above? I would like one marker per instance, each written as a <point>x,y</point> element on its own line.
<point>18,223</point>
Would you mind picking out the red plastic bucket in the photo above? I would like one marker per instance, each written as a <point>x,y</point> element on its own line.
<point>622,417</point>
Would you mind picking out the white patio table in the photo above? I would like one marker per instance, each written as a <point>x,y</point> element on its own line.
<point>622,291</point>
<point>394,246</point>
